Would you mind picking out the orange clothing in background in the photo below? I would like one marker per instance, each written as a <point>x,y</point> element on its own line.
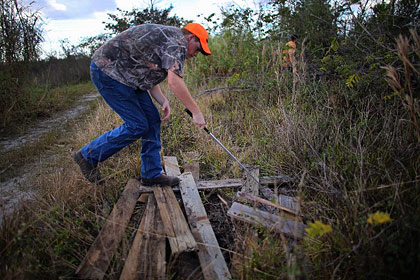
<point>289,51</point>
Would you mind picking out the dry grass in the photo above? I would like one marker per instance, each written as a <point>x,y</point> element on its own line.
<point>406,92</point>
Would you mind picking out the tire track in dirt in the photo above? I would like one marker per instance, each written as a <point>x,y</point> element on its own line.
<point>16,190</point>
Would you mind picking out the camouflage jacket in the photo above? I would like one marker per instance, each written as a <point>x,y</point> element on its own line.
<point>141,56</point>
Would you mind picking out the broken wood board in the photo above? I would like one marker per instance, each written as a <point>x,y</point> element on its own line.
<point>172,167</point>
<point>97,260</point>
<point>268,194</point>
<point>285,201</point>
<point>279,224</point>
<point>213,264</point>
<point>175,225</point>
<point>288,212</point>
<point>147,256</point>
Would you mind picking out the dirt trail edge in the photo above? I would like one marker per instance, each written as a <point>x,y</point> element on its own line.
<point>17,189</point>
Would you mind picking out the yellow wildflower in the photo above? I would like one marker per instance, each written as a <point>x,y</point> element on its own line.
<point>379,218</point>
<point>318,229</point>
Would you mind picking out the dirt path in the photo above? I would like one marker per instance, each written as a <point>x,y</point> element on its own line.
<point>18,189</point>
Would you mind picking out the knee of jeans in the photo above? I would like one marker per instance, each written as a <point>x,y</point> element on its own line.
<point>137,130</point>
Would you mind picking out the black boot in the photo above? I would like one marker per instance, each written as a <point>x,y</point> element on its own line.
<point>90,171</point>
<point>162,180</point>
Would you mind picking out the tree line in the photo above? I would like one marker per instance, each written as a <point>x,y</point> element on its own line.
<point>351,40</point>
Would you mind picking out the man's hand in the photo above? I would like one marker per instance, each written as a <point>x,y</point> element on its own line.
<point>198,120</point>
<point>157,94</point>
<point>166,110</point>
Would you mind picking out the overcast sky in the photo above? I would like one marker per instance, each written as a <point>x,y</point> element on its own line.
<point>76,19</point>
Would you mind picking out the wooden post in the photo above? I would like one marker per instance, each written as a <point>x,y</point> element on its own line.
<point>250,186</point>
<point>275,180</point>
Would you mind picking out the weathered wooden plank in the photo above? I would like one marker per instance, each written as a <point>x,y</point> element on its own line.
<point>96,262</point>
<point>192,164</point>
<point>147,256</point>
<point>145,189</point>
<point>268,194</point>
<point>275,180</point>
<point>152,258</point>
<point>273,222</point>
<point>172,167</point>
<point>289,202</point>
<point>202,185</point>
<point>224,183</point>
<point>176,228</point>
<point>211,258</point>
<point>252,198</point>
<point>218,184</point>
<point>175,225</point>
<point>131,264</point>
<point>168,219</point>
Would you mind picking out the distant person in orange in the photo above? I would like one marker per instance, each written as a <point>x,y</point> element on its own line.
<point>289,52</point>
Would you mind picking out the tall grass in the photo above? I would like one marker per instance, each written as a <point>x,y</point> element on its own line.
<point>350,154</point>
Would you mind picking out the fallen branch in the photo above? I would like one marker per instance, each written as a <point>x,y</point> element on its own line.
<point>222,88</point>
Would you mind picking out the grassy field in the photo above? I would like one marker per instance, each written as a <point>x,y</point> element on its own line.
<point>353,157</point>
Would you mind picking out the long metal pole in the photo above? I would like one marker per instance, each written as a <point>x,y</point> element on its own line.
<point>227,151</point>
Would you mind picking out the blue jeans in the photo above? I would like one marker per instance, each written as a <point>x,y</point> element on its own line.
<point>141,120</point>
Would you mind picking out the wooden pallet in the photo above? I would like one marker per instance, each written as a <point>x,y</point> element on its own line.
<point>163,220</point>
